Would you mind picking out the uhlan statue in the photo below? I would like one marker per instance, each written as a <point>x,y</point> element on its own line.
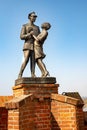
<point>33,46</point>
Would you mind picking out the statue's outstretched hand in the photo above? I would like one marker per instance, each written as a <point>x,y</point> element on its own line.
<point>35,38</point>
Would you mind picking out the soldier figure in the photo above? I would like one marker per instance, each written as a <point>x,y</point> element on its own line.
<point>28,49</point>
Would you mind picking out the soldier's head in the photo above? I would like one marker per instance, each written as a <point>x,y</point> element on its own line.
<point>32,16</point>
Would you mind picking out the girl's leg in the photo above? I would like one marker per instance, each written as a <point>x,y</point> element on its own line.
<point>42,67</point>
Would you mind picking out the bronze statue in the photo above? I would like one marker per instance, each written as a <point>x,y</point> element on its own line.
<point>28,49</point>
<point>38,48</point>
<point>33,46</point>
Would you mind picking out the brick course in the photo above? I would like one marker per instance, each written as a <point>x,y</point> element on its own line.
<point>29,112</point>
<point>3,118</point>
<point>66,115</point>
<point>85,120</point>
<point>24,89</point>
<point>4,112</point>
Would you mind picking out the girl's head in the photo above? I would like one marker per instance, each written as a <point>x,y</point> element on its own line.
<point>46,26</point>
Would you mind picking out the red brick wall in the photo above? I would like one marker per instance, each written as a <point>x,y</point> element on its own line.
<point>20,113</point>
<point>13,119</point>
<point>3,118</point>
<point>42,112</point>
<point>29,113</point>
<point>80,117</point>
<point>4,99</point>
<point>85,119</point>
<point>24,89</point>
<point>26,118</point>
<point>63,116</point>
<point>65,113</point>
<point>4,112</point>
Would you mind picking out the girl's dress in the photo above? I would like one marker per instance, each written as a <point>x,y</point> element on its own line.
<point>38,45</point>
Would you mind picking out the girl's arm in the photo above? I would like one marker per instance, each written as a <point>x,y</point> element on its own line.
<point>35,38</point>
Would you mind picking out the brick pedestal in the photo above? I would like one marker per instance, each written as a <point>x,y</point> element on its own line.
<point>36,105</point>
<point>30,109</point>
<point>27,86</point>
<point>24,89</point>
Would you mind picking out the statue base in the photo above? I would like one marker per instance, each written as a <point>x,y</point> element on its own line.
<point>37,80</point>
<point>24,86</point>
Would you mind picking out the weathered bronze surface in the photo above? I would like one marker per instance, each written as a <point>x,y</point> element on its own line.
<point>33,46</point>
<point>38,48</point>
<point>47,80</point>
<point>28,49</point>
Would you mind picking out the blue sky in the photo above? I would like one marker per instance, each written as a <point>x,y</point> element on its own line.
<point>65,47</point>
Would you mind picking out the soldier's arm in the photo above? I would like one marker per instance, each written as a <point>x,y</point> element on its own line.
<point>23,34</point>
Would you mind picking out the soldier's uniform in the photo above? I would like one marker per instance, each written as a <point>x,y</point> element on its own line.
<point>29,40</point>
<point>29,45</point>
